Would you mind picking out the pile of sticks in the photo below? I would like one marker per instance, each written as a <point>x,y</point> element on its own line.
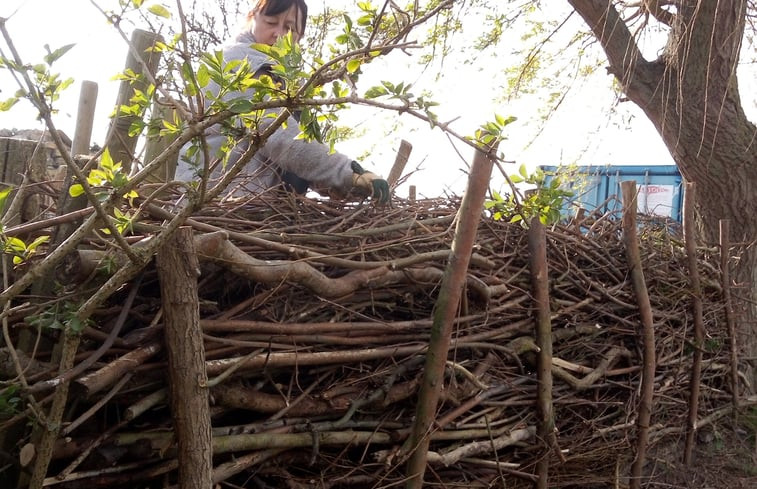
<point>315,316</point>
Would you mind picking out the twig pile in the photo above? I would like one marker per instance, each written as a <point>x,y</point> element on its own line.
<point>315,315</point>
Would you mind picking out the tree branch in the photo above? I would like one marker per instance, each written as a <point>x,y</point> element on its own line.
<point>617,41</point>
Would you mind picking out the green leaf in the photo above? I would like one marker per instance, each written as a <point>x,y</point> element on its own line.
<point>15,245</point>
<point>136,128</point>
<point>40,240</point>
<point>365,20</point>
<point>504,121</point>
<point>130,195</point>
<point>353,65</point>
<point>375,92</point>
<point>203,76</point>
<point>523,171</point>
<point>76,190</point>
<point>7,104</point>
<point>241,106</point>
<point>76,325</point>
<point>159,10</point>
<point>53,56</point>
<point>170,127</point>
<point>4,193</point>
<point>97,177</point>
<point>106,160</point>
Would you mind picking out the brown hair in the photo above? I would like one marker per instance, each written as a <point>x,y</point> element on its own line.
<point>275,7</point>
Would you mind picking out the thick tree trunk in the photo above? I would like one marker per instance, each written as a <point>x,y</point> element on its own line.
<point>690,93</point>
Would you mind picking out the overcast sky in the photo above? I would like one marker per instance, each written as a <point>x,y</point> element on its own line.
<point>583,134</point>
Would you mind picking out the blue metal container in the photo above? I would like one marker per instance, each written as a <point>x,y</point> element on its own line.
<point>598,187</point>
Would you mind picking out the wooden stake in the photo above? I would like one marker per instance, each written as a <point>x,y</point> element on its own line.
<point>633,256</point>
<point>157,144</point>
<point>178,269</point>
<point>85,117</point>
<point>403,154</point>
<point>690,243</point>
<point>141,59</point>
<point>725,281</point>
<point>21,161</point>
<point>445,310</point>
<point>537,247</point>
<point>79,146</point>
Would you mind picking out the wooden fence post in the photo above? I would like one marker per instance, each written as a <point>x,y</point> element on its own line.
<point>178,269</point>
<point>85,118</point>
<point>119,143</point>
<point>157,144</point>
<point>445,310</point>
<point>537,248</point>
<point>403,154</point>
<point>690,244</point>
<point>19,157</point>
<point>633,256</point>
<point>725,283</point>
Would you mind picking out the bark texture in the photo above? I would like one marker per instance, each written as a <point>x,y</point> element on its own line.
<point>445,312</point>
<point>537,247</point>
<point>178,269</point>
<point>646,331</point>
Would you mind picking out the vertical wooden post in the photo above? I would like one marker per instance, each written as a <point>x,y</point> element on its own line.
<point>445,311</point>
<point>403,154</point>
<point>80,145</point>
<point>690,243</point>
<point>141,58</point>
<point>537,247</point>
<point>725,281</point>
<point>85,117</point>
<point>633,257</point>
<point>178,269</point>
<point>157,144</point>
<point>19,157</point>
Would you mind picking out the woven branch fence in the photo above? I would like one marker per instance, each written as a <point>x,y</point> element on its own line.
<point>315,315</point>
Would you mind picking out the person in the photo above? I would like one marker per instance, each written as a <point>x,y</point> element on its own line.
<point>299,164</point>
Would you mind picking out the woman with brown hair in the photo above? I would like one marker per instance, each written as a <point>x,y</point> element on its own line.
<point>283,158</point>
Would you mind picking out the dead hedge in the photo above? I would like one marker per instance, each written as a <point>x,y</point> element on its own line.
<point>315,315</point>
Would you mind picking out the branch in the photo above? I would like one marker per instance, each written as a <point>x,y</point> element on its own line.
<point>445,311</point>
<point>646,333</point>
<point>216,248</point>
<point>593,375</point>
<point>617,41</point>
<point>654,7</point>
<point>481,447</point>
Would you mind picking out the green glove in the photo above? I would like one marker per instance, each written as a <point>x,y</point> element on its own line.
<point>376,186</point>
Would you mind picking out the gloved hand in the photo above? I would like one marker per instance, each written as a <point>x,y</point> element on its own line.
<point>377,187</point>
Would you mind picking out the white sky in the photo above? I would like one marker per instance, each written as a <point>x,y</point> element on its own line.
<point>583,133</point>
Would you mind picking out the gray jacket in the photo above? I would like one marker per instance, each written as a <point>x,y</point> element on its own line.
<point>282,152</point>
